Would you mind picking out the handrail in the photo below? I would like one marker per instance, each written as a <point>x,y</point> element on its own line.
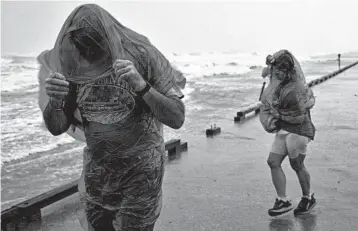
<point>256,106</point>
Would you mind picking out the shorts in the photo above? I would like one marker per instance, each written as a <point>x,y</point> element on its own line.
<point>290,144</point>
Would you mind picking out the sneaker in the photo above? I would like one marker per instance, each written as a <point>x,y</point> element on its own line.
<point>280,207</point>
<point>305,206</point>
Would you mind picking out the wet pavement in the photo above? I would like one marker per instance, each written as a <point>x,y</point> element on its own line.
<point>223,183</point>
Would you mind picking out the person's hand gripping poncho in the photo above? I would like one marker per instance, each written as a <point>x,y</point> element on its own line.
<point>119,42</point>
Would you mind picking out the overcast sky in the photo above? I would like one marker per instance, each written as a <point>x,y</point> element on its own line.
<point>305,27</point>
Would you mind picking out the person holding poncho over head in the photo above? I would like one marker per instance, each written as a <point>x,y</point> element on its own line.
<point>109,86</point>
<point>285,110</point>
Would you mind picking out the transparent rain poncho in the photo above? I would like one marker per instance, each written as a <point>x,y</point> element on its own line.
<point>123,159</point>
<point>270,96</point>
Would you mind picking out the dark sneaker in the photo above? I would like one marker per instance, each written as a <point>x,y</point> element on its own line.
<point>280,207</point>
<point>305,206</point>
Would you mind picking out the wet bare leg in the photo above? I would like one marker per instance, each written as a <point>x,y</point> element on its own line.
<point>303,175</point>
<point>277,174</point>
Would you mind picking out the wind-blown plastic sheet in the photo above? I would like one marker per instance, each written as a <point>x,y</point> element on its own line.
<point>270,101</point>
<point>123,159</point>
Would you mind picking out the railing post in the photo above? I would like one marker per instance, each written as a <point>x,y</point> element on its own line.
<point>339,61</point>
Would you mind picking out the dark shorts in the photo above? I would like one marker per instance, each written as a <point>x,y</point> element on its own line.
<point>101,219</point>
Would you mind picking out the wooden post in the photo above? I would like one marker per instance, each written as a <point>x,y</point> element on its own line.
<point>173,147</point>
<point>183,146</point>
<point>213,130</point>
<point>339,61</point>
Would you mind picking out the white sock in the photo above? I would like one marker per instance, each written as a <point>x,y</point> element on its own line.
<point>308,197</point>
<point>283,198</point>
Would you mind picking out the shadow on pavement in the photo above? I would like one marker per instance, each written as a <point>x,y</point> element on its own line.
<point>287,223</point>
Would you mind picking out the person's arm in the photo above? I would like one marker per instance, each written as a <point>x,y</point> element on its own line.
<point>267,120</point>
<point>311,100</point>
<point>265,72</point>
<point>294,108</point>
<point>169,109</point>
<point>166,105</point>
<point>58,117</point>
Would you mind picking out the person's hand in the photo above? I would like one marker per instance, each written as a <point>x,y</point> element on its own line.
<point>57,87</point>
<point>271,124</point>
<point>275,113</point>
<point>126,70</point>
<point>265,72</point>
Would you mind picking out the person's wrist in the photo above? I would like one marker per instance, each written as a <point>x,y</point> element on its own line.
<point>143,90</point>
<point>142,84</point>
<point>56,103</point>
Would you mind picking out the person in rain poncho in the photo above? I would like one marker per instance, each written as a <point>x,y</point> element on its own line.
<point>109,86</point>
<point>285,110</point>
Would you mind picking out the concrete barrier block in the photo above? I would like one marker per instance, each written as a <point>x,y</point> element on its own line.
<point>239,118</point>
<point>183,146</point>
<point>213,131</point>
<point>172,146</point>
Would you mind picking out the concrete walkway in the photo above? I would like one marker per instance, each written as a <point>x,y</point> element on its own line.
<point>223,183</point>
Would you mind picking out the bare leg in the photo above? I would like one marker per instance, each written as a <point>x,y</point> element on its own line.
<point>303,175</point>
<point>277,174</point>
<point>98,218</point>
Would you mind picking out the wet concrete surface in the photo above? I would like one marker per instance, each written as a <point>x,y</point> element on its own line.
<point>223,183</point>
